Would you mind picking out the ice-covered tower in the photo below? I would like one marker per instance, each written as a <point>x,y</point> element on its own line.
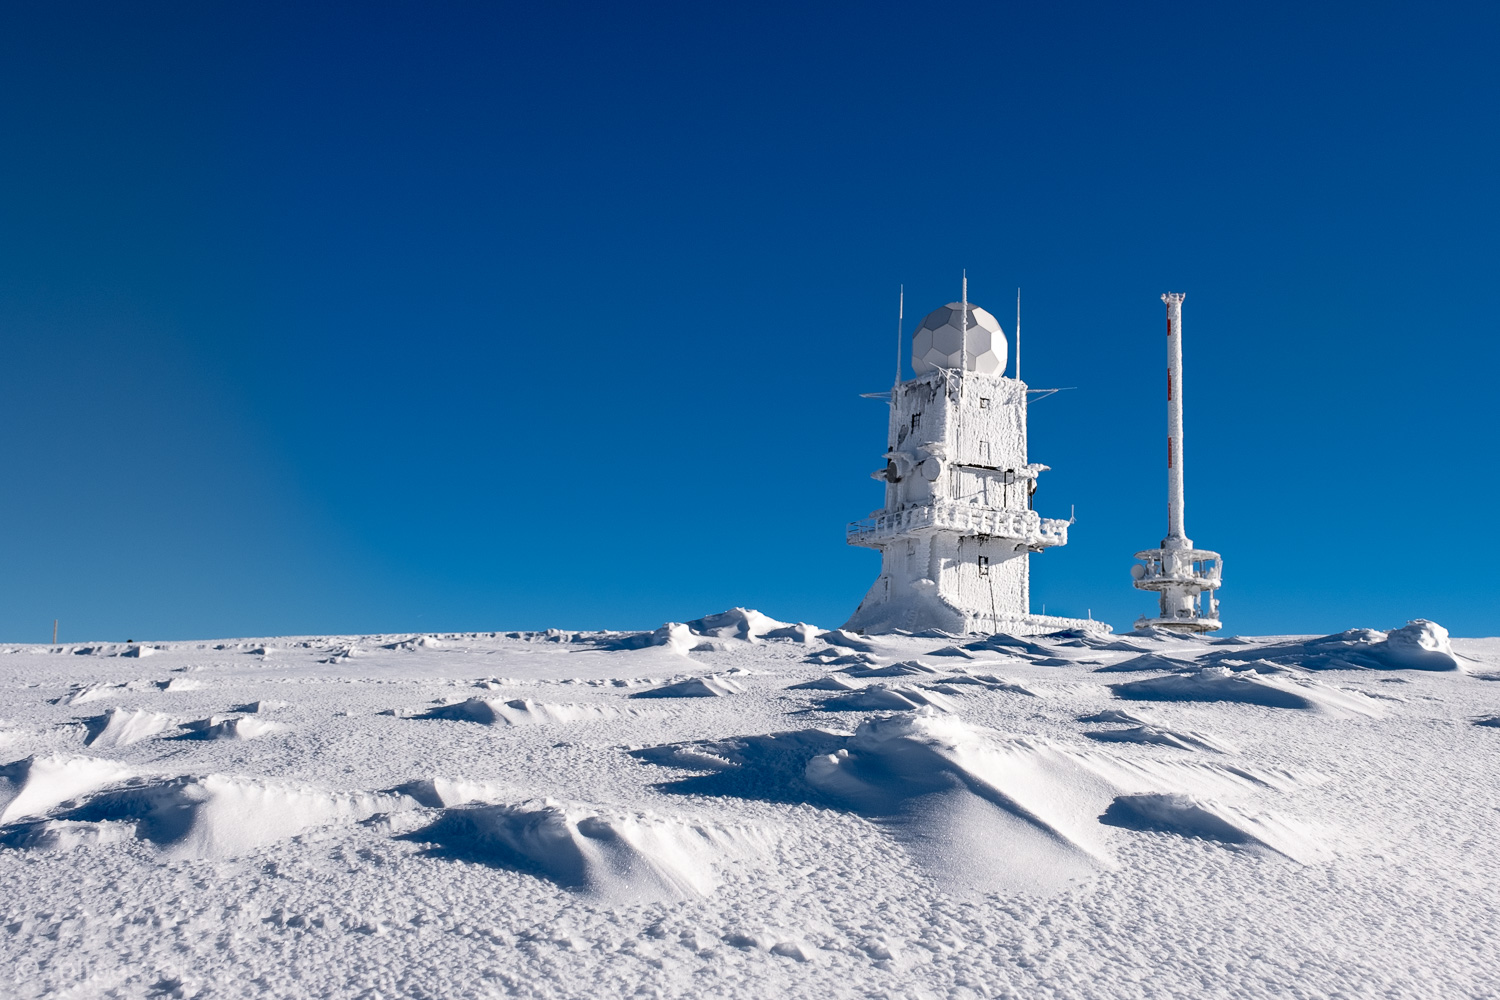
<point>957,527</point>
<point>1184,577</point>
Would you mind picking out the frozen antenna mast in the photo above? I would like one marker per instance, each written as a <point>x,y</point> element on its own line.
<point>1180,574</point>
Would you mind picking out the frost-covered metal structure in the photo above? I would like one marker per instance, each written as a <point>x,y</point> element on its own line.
<point>1185,578</point>
<point>958,527</point>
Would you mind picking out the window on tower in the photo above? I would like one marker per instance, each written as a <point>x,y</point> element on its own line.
<point>916,421</point>
<point>984,565</point>
<point>984,403</point>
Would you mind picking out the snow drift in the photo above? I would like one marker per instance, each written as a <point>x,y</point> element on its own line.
<point>906,668</point>
<point>617,855</point>
<point>121,727</point>
<point>65,835</point>
<point>975,809</point>
<point>833,682</point>
<point>1417,645</point>
<point>1158,736</point>
<point>750,626</point>
<point>983,811</point>
<point>218,727</point>
<point>990,682</point>
<point>516,712</point>
<point>693,687</point>
<point>1210,820</point>
<point>33,786</point>
<point>219,816</point>
<point>700,635</point>
<point>1250,688</point>
<point>883,698</point>
<point>1146,661</point>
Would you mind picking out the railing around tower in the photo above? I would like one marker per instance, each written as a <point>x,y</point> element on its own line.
<point>1194,569</point>
<point>969,519</point>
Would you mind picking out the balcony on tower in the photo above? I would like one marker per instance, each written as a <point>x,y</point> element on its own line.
<point>1186,580</point>
<point>1026,527</point>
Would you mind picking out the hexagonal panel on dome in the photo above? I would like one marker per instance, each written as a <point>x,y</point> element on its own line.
<point>939,341</point>
<point>947,339</point>
<point>921,344</point>
<point>982,317</point>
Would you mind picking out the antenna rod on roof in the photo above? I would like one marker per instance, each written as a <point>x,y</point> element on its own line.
<point>1018,334</point>
<point>900,320</point>
<point>964,358</point>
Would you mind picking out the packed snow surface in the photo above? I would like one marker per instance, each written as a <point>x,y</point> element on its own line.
<point>736,806</point>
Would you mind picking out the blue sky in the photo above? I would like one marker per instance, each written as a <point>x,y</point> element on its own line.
<point>391,317</point>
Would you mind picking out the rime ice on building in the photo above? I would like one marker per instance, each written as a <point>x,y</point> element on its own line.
<point>957,528</point>
<point>1184,577</point>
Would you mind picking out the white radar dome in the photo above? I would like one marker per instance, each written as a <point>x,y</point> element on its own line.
<point>939,341</point>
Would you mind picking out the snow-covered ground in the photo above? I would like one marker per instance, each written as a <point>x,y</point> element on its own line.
<point>737,808</point>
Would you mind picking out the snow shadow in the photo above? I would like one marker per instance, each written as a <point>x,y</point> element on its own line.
<point>221,816</point>
<point>973,808</point>
<point>1248,687</point>
<point>1417,645</point>
<point>767,768</point>
<point>1206,819</point>
<point>589,849</point>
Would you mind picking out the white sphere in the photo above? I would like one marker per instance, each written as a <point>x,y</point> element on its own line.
<point>939,341</point>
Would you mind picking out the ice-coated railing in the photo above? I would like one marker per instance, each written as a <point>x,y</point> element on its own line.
<point>1197,569</point>
<point>1023,525</point>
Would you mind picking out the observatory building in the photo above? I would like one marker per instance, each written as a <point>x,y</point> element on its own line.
<point>957,529</point>
<point>1184,577</point>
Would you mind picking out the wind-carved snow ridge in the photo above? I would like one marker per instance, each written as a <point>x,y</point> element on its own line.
<point>833,657</point>
<point>906,668</point>
<point>849,640</point>
<point>220,816</point>
<point>1012,645</point>
<point>976,810</point>
<point>1250,688</point>
<point>1211,820</point>
<point>750,625</point>
<point>120,727</point>
<point>832,682</point>
<point>65,835</point>
<point>221,727</point>
<point>85,693</point>
<point>613,854</point>
<point>416,643</point>
<point>1161,736</point>
<point>709,633</point>
<point>443,793</point>
<point>518,712</point>
<point>989,682</point>
<point>886,698</point>
<point>1417,645</point>
<point>342,653</point>
<point>693,687</point>
<point>36,785</point>
<point>1145,662</point>
<point>1149,731</point>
